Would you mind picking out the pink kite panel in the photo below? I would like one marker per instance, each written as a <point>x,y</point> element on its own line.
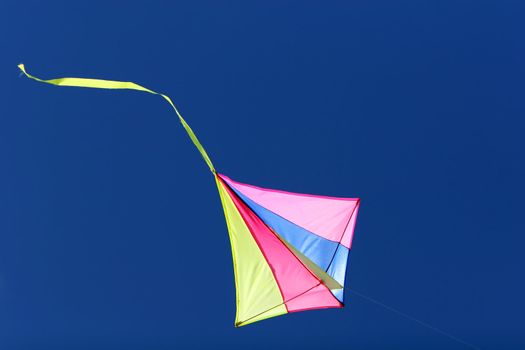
<point>319,297</point>
<point>291,275</point>
<point>327,217</point>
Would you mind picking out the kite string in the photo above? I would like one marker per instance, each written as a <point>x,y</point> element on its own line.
<point>412,318</point>
<point>114,84</point>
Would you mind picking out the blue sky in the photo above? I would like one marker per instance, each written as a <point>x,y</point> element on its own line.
<point>112,233</point>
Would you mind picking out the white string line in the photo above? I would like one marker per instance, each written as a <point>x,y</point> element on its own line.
<point>412,318</point>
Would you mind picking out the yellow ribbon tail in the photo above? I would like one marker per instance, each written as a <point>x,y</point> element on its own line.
<point>113,84</point>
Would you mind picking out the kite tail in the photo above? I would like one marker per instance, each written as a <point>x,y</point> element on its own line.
<point>112,84</point>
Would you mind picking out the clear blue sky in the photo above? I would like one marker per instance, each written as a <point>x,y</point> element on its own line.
<point>111,231</point>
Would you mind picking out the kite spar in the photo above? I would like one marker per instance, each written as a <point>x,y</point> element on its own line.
<point>290,250</point>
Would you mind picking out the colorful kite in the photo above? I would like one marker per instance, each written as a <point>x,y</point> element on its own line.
<point>290,250</point>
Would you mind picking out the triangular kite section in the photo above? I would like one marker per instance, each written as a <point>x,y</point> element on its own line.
<point>256,288</point>
<point>307,268</point>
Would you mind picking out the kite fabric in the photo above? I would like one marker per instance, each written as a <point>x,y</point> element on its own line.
<point>290,250</point>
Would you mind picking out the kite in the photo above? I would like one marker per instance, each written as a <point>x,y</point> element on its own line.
<point>290,250</point>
